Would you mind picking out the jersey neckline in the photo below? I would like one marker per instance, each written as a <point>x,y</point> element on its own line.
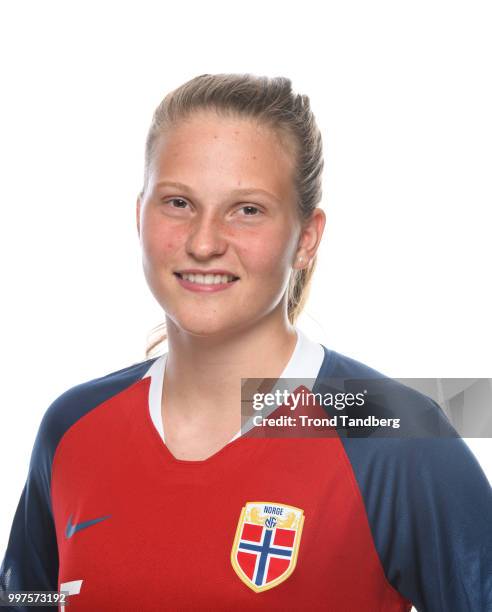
<point>306,362</point>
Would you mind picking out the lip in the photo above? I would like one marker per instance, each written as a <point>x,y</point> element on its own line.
<point>211,271</point>
<point>201,287</point>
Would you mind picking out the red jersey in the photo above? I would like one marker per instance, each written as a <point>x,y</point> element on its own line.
<point>267,523</point>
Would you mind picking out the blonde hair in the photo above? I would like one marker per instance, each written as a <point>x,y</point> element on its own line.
<point>272,102</point>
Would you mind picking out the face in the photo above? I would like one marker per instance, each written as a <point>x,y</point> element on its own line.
<point>218,224</point>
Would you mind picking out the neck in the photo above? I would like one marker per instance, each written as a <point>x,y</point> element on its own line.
<point>204,372</point>
<point>258,351</point>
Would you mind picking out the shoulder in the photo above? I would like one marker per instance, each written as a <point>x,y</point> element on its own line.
<point>76,402</point>
<point>419,416</point>
<point>421,464</point>
<point>425,440</point>
<point>426,497</point>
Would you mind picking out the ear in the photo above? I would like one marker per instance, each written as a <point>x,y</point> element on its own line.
<point>139,201</point>
<point>309,240</point>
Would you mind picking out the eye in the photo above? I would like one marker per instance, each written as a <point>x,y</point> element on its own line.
<point>250,211</point>
<point>181,203</point>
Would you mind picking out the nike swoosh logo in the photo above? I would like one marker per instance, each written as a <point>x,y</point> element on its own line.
<point>74,527</point>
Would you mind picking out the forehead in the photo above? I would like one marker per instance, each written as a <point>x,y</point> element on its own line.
<point>225,152</point>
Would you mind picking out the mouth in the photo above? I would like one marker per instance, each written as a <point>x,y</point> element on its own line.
<point>207,279</point>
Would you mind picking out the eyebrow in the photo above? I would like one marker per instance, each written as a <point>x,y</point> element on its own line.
<point>245,191</point>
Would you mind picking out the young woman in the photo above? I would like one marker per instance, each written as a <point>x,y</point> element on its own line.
<point>144,494</point>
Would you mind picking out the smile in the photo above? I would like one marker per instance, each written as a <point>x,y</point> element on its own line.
<point>206,282</point>
<point>208,279</point>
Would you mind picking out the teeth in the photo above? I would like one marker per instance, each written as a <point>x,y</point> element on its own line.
<point>208,279</point>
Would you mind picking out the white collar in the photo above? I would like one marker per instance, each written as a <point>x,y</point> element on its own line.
<point>304,363</point>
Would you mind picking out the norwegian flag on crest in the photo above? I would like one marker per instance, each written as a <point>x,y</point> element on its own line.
<point>264,552</point>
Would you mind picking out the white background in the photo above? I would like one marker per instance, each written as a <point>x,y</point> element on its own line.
<point>402,93</point>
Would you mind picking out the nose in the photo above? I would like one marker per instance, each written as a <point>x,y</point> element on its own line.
<point>206,237</point>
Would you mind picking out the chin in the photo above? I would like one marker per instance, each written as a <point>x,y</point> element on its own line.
<point>205,325</point>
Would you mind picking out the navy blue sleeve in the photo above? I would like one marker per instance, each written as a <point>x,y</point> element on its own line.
<point>429,505</point>
<point>31,558</point>
<point>433,523</point>
<point>428,501</point>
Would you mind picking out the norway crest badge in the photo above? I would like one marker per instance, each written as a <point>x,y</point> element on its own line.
<point>265,548</point>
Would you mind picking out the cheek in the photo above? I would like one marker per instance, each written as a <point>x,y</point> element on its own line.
<point>160,241</point>
<point>269,254</point>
